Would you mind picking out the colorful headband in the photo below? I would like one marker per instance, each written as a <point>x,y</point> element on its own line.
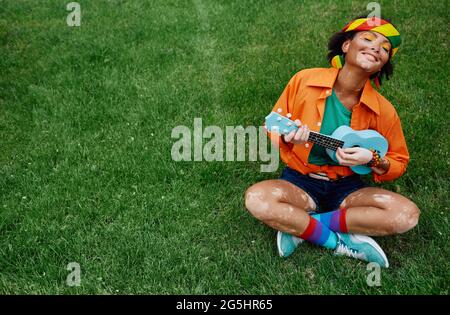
<point>378,25</point>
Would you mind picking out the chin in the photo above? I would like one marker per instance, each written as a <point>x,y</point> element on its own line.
<point>367,66</point>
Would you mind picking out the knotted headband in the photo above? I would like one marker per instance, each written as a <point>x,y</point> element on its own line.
<point>376,25</point>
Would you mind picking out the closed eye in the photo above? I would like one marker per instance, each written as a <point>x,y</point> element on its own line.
<point>386,48</point>
<point>369,37</point>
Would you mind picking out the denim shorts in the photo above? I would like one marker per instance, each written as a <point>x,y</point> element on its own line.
<point>328,195</point>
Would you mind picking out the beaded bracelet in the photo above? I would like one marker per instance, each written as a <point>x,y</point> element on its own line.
<point>376,159</point>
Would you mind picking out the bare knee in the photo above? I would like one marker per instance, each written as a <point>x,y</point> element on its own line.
<point>257,202</point>
<point>404,218</point>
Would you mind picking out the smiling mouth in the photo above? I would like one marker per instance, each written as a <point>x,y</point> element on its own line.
<point>370,57</point>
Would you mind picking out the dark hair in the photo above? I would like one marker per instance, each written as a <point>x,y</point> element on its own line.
<point>335,48</point>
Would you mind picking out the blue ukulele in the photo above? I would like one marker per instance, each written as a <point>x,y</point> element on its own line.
<point>342,137</point>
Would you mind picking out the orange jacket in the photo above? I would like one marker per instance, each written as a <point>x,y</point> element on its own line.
<point>304,98</point>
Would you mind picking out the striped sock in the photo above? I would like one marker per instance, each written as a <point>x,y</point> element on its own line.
<point>319,234</point>
<point>334,220</point>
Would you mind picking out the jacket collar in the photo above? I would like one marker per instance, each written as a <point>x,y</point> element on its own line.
<point>326,79</point>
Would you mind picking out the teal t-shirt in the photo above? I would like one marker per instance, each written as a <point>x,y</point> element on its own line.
<point>335,115</point>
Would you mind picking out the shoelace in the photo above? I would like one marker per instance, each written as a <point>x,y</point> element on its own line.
<point>344,249</point>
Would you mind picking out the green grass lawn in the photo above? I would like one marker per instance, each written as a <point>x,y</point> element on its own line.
<point>86,175</point>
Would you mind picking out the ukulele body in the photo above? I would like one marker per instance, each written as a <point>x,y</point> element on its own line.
<point>368,139</point>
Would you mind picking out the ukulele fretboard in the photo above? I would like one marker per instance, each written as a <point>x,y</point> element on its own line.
<point>325,141</point>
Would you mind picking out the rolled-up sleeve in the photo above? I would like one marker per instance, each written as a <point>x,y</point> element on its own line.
<point>397,154</point>
<point>286,103</point>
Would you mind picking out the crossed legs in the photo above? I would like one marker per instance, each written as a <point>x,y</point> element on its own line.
<point>370,210</point>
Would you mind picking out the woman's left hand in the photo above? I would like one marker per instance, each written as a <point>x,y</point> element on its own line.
<point>353,156</point>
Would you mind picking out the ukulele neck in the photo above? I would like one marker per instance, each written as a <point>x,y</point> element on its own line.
<point>325,141</point>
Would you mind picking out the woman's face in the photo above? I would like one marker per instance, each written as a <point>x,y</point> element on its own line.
<point>367,50</point>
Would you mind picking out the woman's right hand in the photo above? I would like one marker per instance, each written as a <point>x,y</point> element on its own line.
<point>298,137</point>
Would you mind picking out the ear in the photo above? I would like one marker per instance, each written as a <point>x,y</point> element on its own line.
<point>346,45</point>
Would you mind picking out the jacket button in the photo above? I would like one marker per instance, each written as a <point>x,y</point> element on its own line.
<point>319,123</point>
<point>307,145</point>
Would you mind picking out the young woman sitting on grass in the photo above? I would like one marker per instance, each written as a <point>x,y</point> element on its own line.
<point>317,199</point>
